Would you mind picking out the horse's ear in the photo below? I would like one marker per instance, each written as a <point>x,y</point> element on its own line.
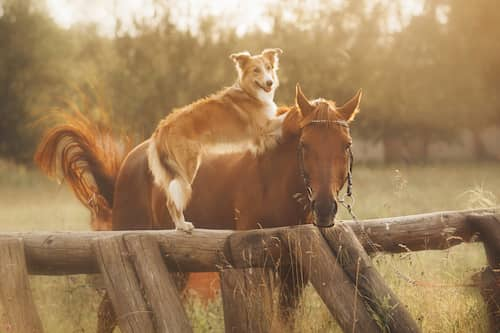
<point>351,107</point>
<point>305,107</point>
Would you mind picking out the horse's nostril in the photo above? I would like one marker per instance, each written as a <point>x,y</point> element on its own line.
<point>334,208</point>
<point>269,83</point>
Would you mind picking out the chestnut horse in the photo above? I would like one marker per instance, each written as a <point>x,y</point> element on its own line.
<point>238,191</point>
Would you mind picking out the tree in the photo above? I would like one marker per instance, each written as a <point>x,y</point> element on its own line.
<point>473,50</point>
<point>32,53</point>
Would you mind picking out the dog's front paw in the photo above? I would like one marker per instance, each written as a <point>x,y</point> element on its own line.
<point>185,226</point>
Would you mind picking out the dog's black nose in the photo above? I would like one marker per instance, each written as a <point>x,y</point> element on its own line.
<point>269,83</point>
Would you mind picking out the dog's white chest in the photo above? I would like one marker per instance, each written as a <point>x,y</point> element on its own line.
<point>269,110</point>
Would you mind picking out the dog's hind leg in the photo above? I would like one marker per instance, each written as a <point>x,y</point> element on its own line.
<point>179,189</point>
<point>178,194</point>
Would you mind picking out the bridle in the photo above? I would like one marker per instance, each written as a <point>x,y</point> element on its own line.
<point>346,200</point>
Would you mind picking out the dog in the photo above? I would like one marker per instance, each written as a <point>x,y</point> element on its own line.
<point>239,118</point>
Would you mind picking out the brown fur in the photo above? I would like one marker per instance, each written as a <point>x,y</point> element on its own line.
<point>238,118</point>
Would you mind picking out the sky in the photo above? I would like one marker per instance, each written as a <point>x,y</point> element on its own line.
<point>243,15</point>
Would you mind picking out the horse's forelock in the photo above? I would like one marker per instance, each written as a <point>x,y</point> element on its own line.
<point>324,110</point>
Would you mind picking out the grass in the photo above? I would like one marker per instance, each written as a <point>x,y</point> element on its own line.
<point>28,201</point>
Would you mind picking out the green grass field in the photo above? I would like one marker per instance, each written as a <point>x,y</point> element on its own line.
<point>28,202</point>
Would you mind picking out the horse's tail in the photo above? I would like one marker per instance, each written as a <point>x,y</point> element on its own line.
<point>88,157</point>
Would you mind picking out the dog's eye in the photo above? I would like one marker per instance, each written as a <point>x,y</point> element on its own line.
<point>268,67</point>
<point>256,70</point>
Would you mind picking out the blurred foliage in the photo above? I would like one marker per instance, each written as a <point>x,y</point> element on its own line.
<point>434,77</point>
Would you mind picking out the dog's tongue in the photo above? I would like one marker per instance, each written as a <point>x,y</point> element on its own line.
<point>267,89</point>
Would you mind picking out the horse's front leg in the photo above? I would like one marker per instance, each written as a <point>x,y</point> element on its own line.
<point>292,283</point>
<point>106,317</point>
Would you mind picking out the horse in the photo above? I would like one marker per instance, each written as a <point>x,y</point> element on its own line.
<point>299,181</point>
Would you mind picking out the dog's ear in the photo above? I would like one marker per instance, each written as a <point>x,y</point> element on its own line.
<point>240,58</point>
<point>302,102</point>
<point>272,55</point>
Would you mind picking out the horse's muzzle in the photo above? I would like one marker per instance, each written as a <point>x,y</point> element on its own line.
<point>324,213</point>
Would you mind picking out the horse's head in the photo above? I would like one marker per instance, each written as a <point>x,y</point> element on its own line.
<point>324,151</point>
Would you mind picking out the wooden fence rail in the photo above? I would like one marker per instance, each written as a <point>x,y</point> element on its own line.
<point>336,260</point>
<point>62,253</point>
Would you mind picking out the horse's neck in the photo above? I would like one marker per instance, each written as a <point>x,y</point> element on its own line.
<point>280,165</point>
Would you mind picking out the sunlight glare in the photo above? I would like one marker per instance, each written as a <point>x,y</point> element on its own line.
<point>242,15</point>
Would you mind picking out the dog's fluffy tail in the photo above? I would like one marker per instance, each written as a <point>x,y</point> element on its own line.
<point>88,158</point>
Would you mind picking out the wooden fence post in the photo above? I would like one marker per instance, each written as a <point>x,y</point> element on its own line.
<point>247,300</point>
<point>355,262</point>
<point>159,287</point>
<point>15,294</point>
<point>122,285</point>
<point>333,285</point>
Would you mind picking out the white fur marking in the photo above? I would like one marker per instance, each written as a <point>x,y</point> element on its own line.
<point>270,110</point>
<point>177,194</point>
<point>228,148</point>
<point>266,97</point>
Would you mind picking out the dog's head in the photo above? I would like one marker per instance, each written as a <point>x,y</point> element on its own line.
<point>257,74</point>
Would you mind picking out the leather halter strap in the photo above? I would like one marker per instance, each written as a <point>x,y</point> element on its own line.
<point>342,123</point>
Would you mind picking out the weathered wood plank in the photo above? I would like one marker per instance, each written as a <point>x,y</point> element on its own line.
<point>122,285</point>
<point>430,231</point>
<point>247,300</point>
<point>204,250</point>
<point>20,314</point>
<point>392,313</point>
<point>159,287</point>
<point>62,253</point>
<point>333,285</point>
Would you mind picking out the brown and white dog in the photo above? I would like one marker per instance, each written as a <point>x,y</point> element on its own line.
<point>241,117</point>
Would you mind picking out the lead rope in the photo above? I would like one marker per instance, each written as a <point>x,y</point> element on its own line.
<point>349,204</point>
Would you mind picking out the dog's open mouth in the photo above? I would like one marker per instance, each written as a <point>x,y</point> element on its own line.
<point>265,88</point>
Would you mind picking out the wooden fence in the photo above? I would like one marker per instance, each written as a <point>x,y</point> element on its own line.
<point>137,266</point>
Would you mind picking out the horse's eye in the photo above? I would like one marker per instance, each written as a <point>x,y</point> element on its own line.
<point>256,70</point>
